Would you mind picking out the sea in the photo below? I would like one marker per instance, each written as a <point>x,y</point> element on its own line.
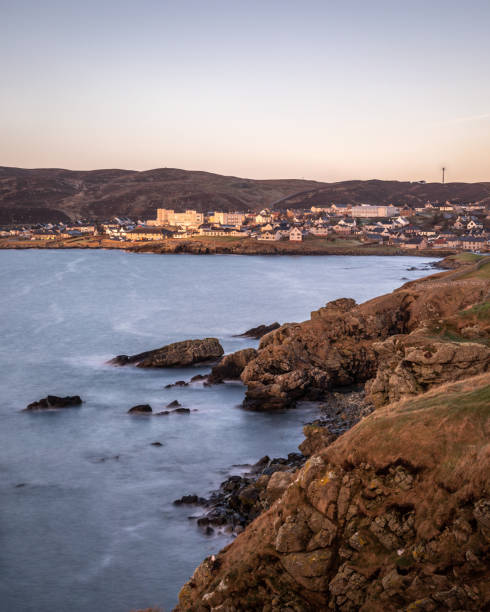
<point>87,520</point>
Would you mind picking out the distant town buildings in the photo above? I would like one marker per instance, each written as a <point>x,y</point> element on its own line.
<point>189,218</point>
<point>429,226</point>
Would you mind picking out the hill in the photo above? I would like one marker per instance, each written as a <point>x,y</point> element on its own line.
<point>387,192</point>
<point>31,196</point>
<point>51,194</point>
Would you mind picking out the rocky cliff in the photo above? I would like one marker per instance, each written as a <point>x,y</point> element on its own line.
<point>342,343</point>
<point>395,513</point>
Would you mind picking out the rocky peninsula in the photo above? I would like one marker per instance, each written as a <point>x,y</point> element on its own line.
<point>394,513</point>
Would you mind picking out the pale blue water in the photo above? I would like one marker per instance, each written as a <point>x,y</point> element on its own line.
<point>89,532</point>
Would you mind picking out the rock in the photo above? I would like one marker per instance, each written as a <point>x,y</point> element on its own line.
<point>414,363</point>
<point>179,383</point>
<point>278,483</point>
<point>156,444</point>
<point>317,437</point>
<point>190,500</point>
<point>140,409</point>
<point>259,331</point>
<point>53,401</point>
<point>178,354</point>
<point>198,378</point>
<point>182,411</point>
<point>338,346</point>
<point>231,366</point>
<point>174,404</point>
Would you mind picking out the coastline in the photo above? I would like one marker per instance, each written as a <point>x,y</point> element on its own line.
<point>311,526</point>
<point>227,246</point>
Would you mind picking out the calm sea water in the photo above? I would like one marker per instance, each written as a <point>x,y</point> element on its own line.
<point>93,527</point>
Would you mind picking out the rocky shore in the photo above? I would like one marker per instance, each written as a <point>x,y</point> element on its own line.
<point>391,509</point>
<point>241,498</point>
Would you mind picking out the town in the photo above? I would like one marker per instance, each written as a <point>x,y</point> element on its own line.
<point>454,226</point>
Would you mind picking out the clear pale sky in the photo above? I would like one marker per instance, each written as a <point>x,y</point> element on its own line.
<point>327,90</point>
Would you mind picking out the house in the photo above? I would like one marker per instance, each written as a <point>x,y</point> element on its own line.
<point>415,243</point>
<point>345,227</point>
<point>474,224</point>
<point>319,230</point>
<point>472,243</point>
<point>148,233</point>
<point>439,243</point>
<point>296,235</point>
<point>269,235</point>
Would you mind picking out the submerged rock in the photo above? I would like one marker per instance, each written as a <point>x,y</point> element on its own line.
<point>53,401</point>
<point>178,354</point>
<point>140,409</point>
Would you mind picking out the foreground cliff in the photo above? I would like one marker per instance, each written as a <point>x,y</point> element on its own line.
<point>394,515</point>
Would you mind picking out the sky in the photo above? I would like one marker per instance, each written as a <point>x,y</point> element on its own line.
<point>327,90</point>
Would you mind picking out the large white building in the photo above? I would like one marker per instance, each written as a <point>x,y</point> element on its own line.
<point>227,218</point>
<point>367,210</point>
<point>189,218</point>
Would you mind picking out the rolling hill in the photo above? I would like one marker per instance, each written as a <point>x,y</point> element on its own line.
<point>50,194</point>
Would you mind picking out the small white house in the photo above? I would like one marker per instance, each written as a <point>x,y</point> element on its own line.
<point>296,235</point>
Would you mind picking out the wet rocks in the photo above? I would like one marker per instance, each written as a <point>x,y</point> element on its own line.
<point>178,354</point>
<point>179,383</point>
<point>141,409</point>
<point>231,366</point>
<point>53,401</point>
<point>190,500</point>
<point>259,331</point>
<point>174,404</point>
<point>175,411</point>
<point>240,499</point>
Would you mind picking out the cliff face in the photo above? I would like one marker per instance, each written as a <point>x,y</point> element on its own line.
<point>393,515</point>
<point>342,343</point>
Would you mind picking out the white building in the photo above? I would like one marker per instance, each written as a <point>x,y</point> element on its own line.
<point>189,218</point>
<point>367,210</point>
<point>227,218</point>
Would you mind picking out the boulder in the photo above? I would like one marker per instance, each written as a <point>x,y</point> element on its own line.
<point>317,436</point>
<point>231,366</point>
<point>178,354</point>
<point>140,409</point>
<point>53,401</point>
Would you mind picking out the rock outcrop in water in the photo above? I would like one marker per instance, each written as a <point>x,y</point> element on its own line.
<point>394,515</point>
<point>53,401</point>
<point>178,354</point>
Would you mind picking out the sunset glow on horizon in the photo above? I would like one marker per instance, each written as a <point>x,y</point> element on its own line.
<point>317,90</point>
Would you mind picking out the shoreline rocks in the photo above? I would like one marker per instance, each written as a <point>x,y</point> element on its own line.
<point>177,354</point>
<point>52,402</point>
<point>241,498</point>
